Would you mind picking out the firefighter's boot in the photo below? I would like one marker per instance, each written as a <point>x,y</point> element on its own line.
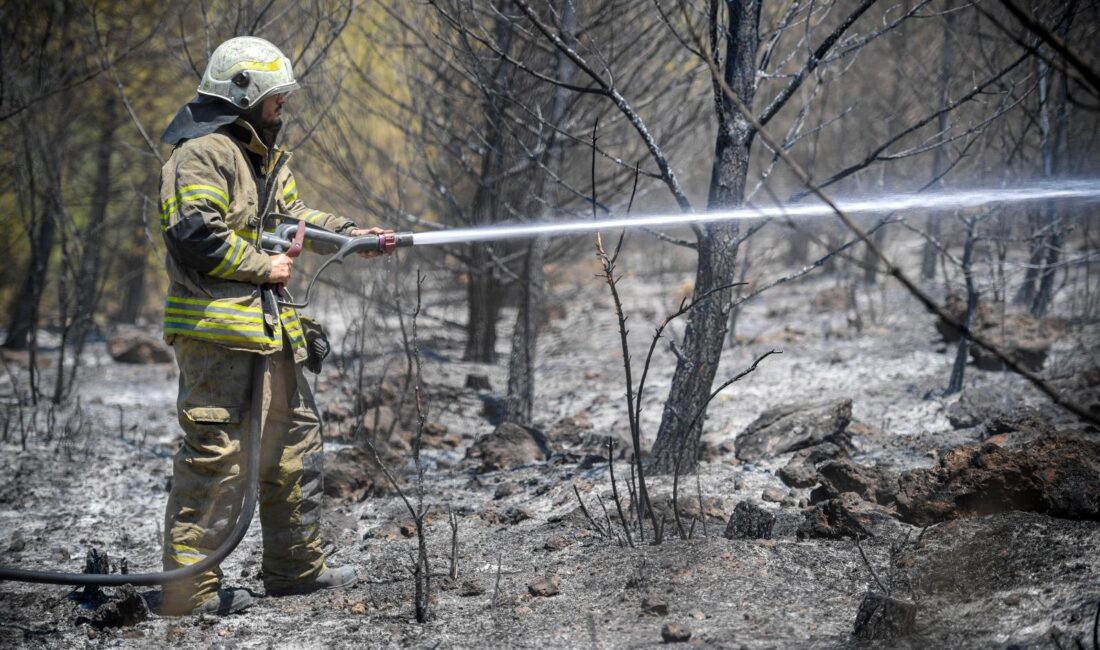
<point>337,578</point>
<point>225,601</point>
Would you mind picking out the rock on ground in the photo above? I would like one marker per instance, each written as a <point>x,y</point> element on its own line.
<point>749,521</point>
<point>882,618</point>
<point>848,516</point>
<point>974,406</point>
<point>1058,476</point>
<point>675,633</point>
<point>351,473</point>
<point>507,447</point>
<point>839,476</point>
<point>794,426</point>
<point>800,471</point>
<point>1023,337</point>
<point>137,347</point>
<point>544,587</point>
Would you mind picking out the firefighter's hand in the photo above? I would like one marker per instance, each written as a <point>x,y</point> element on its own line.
<point>281,266</point>
<point>360,232</point>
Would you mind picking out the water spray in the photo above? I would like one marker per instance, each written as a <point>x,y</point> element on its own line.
<point>289,235</point>
<point>923,201</point>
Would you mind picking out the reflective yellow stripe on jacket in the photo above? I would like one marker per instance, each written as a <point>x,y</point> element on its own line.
<point>216,196</point>
<point>293,327</point>
<point>233,258</point>
<point>316,217</point>
<point>290,192</point>
<point>228,322</point>
<point>250,234</point>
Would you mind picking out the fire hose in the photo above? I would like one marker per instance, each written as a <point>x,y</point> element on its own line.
<point>244,518</point>
<point>289,238</point>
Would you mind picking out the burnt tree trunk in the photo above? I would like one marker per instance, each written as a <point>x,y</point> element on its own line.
<point>44,134</point>
<point>133,278</point>
<point>86,279</point>
<point>42,231</point>
<point>483,298</point>
<point>958,369</point>
<point>676,446</point>
<point>1037,291</point>
<point>133,262</point>
<point>939,157</point>
<point>483,292</point>
<point>1052,138</point>
<point>519,401</point>
<point>24,304</point>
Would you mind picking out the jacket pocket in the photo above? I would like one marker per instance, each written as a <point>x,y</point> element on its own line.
<point>214,415</point>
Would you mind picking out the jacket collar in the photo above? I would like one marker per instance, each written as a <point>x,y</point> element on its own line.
<point>200,116</point>
<point>246,135</point>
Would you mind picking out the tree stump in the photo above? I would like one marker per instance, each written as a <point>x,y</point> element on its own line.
<point>749,521</point>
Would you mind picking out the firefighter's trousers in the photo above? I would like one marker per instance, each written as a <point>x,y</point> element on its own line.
<point>214,404</point>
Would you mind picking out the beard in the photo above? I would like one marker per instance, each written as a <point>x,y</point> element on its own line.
<point>267,129</point>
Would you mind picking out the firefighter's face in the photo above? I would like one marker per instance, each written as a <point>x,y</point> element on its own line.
<point>273,110</point>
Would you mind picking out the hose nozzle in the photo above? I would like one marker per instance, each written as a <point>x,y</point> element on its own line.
<point>389,240</point>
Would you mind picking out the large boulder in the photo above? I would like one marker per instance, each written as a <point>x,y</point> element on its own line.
<point>790,427</point>
<point>1055,476</point>
<point>133,346</point>
<point>508,446</point>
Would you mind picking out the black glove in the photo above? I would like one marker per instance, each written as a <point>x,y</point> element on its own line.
<point>316,344</point>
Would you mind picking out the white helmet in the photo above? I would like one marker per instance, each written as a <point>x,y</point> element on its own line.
<point>244,70</point>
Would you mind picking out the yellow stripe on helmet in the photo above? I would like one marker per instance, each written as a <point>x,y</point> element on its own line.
<point>259,66</point>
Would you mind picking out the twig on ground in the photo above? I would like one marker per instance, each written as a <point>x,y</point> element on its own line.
<point>453,519</point>
<point>699,494</point>
<point>870,568</point>
<point>587,516</point>
<point>496,584</point>
<point>676,494</point>
<point>615,490</point>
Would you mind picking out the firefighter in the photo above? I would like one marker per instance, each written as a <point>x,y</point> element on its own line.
<point>224,184</point>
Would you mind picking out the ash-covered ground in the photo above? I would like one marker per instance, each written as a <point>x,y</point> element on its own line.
<point>997,545</point>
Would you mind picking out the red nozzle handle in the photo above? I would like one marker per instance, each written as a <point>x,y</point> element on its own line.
<point>387,241</point>
<point>299,237</point>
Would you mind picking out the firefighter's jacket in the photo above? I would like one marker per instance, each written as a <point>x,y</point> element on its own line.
<point>210,192</point>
